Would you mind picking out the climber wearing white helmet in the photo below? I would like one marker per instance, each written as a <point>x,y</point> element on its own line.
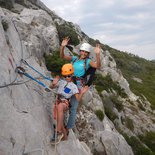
<point>85,49</point>
<point>81,64</point>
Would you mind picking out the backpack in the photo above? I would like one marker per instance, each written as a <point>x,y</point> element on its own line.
<point>89,73</point>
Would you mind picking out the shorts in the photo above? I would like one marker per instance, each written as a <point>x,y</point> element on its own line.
<point>65,102</point>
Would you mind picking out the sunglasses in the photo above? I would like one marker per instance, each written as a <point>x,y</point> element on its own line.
<point>67,76</point>
<point>84,51</point>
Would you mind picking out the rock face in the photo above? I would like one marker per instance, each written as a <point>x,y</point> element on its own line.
<point>101,136</point>
<point>114,143</point>
<point>25,107</point>
<point>26,122</point>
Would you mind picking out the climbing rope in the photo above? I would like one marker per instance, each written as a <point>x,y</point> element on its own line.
<point>47,78</point>
<point>55,128</point>
<point>21,71</point>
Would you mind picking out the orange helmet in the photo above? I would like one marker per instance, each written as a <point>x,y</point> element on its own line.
<point>67,69</point>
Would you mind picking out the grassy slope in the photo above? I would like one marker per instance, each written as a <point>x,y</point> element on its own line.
<point>134,66</point>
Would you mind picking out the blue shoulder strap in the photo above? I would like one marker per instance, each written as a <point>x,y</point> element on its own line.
<point>75,60</point>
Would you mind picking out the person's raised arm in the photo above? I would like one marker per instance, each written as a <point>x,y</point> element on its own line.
<point>62,47</point>
<point>96,64</point>
<point>54,82</point>
<point>83,90</point>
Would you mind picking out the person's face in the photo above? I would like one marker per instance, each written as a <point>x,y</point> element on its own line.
<point>83,54</point>
<point>68,78</point>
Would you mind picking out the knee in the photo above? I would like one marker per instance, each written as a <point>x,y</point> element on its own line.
<point>60,107</point>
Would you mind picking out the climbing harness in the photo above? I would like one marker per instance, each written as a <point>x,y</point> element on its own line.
<point>87,78</point>
<point>60,99</point>
<point>21,71</point>
<point>79,81</point>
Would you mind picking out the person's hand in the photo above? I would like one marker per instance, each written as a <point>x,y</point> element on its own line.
<point>97,49</point>
<point>55,80</point>
<point>84,89</point>
<point>65,41</point>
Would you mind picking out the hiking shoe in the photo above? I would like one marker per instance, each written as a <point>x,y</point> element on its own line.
<point>56,138</point>
<point>53,138</point>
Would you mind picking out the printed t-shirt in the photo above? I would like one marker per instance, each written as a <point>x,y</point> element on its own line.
<point>67,89</point>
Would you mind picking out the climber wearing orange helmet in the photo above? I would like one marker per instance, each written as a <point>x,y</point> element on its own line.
<point>66,88</point>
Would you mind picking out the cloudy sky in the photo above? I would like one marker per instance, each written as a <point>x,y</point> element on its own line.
<point>122,24</point>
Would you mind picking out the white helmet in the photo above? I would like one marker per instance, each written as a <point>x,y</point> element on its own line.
<point>85,47</point>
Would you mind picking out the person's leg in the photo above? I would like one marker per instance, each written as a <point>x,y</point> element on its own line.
<point>72,114</point>
<point>62,108</point>
<point>58,135</point>
<point>60,116</point>
<point>64,131</point>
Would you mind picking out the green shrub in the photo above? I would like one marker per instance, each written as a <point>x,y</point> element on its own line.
<point>5,24</point>
<point>134,66</point>
<point>106,83</point>
<point>22,2</point>
<point>118,104</point>
<point>110,114</point>
<point>66,30</point>
<point>93,42</point>
<point>137,146</point>
<point>8,4</point>
<point>153,107</point>
<point>149,140</point>
<point>110,59</point>
<point>99,114</point>
<point>54,62</point>
<point>141,106</point>
<point>99,83</point>
<point>129,123</point>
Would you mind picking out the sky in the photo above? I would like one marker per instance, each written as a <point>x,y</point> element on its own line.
<point>125,25</point>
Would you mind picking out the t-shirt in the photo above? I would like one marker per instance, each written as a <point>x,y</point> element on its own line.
<point>67,89</point>
<point>79,66</point>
